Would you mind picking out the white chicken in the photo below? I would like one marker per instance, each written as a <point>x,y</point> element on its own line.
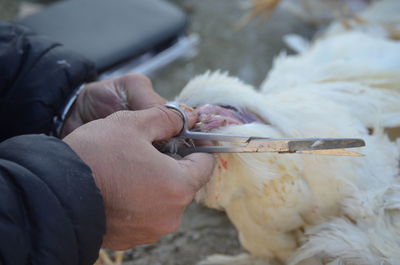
<point>310,209</point>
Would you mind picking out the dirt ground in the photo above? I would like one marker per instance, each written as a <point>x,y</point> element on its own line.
<point>247,53</point>
<point>203,232</point>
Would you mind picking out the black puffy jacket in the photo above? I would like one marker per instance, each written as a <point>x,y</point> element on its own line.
<point>51,211</point>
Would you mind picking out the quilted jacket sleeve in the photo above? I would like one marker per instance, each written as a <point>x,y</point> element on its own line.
<point>51,212</point>
<point>37,76</point>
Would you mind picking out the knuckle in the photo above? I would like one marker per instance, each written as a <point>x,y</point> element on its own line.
<point>118,115</point>
<point>138,80</point>
<point>121,117</point>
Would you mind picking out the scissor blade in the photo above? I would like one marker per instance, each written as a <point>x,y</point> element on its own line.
<point>331,152</point>
<point>296,145</point>
<point>215,137</point>
<point>325,146</point>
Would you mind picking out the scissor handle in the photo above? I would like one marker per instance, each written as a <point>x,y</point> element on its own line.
<point>175,106</point>
<point>185,133</point>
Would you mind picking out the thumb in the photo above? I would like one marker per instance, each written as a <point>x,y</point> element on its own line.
<point>199,167</point>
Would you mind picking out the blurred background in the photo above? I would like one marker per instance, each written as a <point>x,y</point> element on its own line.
<point>246,52</point>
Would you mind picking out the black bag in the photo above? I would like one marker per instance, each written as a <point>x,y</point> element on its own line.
<point>110,32</point>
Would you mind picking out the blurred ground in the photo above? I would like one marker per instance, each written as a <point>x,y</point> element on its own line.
<point>246,53</point>
<point>202,233</point>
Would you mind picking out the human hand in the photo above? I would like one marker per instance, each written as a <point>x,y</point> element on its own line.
<point>102,98</point>
<point>144,191</point>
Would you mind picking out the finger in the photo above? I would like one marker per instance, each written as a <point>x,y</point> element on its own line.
<point>191,114</point>
<point>198,168</point>
<point>138,91</point>
<point>160,123</point>
<point>171,120</point>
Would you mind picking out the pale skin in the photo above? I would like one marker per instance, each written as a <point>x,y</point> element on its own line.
<point>145,192</point>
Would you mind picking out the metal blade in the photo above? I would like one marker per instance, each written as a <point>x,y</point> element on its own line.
<point>331,152</point>
<point>296,145</point>
<point>322,146</point>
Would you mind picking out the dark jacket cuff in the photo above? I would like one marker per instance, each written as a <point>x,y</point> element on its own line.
<point>51,211</point>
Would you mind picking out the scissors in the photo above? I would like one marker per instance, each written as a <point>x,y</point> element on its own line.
<point>250,144</point>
